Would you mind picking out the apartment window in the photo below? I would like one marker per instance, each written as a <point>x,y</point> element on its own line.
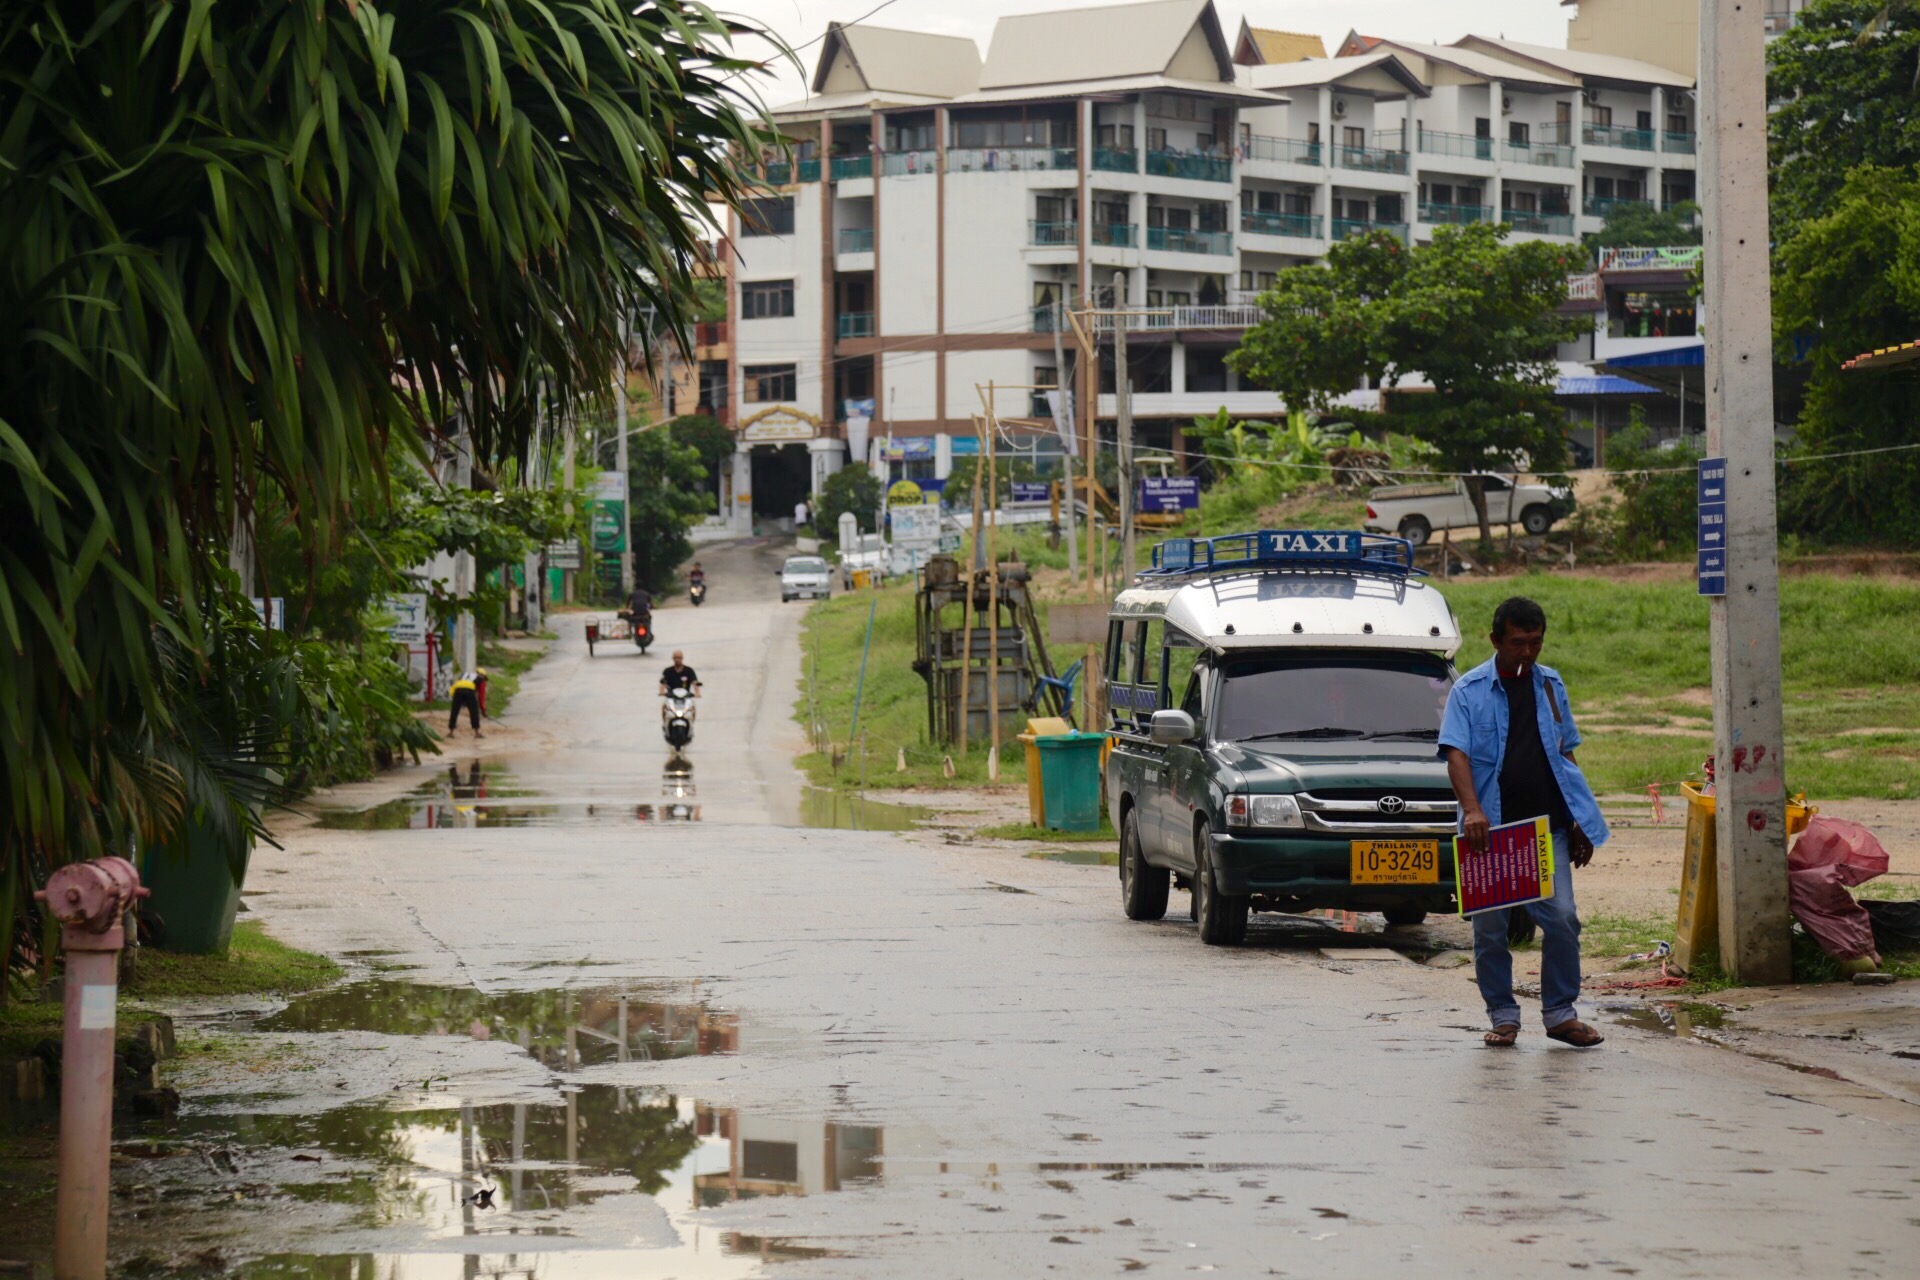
<point>1602,188</point>
<point>1156,215</point>
<point>1053,209</point>
<point>1353,136</point>
<point>1300,202</point>
<point>1179,219</point>
<point>771,216</point>
<point>1520,201</point>
<point>1117,135</point>
<point>1387,209</point>
<point>1203,141</point>
<point>1563,123</point>
<point>766,299</point>
<point>1213,217</point>
<point>1643,120</point>
<point>1313,133</point>
<point>1482,127</point>
<point>1246,281</point>
<point>1154,298</point>
<point>1677,122</point>
<point>1264,281</point>
<point>1602,116</point>
<point>767,383</point>
<point>978,132</point>
<point>913,137</point>
<point>1357,210</point>
<point>1178,298</point>
<point>1156,139</point>
<point>1111,213</point>
<point>1518,133</point>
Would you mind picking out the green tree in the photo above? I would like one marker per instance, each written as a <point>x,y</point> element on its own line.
<point>669,498</point>
<point>257,242</point>
<point>714,445</point>
<point>1642,224</point>
<point>852,488</point>
<point>1476,317</point>
<point>1846,283</point>
<point>1845,84</point>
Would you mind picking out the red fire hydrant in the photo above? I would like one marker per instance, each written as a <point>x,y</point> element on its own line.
<point>89,899</point>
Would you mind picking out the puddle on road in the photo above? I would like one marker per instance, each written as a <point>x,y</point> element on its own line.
<point>1086,856</point>
<point>820,807</point>
<point>562,1028</point>
<point>1685,1020</point>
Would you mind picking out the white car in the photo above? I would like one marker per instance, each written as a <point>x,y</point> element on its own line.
<point>1417,511</point>
<point>804,576</point>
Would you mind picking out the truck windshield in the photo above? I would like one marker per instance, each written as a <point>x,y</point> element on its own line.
<point>1333,696</point>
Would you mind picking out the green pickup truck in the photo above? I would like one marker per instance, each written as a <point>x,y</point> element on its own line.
<point>1274,701</point>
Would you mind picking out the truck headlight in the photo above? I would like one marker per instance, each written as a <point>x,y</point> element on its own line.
<point>1276,811</point>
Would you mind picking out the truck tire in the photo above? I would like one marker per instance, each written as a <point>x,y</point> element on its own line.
<point>1405,915</point>
<point>1143,887</point>
<point>1416,530</point>
<point>1536,520</point>
<point>1222,916</point>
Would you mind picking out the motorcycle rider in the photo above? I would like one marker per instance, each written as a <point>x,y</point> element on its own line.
<point>697,580</point>
<point>678,676</point>
<point>640,604</point>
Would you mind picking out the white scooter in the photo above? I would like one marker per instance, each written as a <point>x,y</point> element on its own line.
<point>678,725</point>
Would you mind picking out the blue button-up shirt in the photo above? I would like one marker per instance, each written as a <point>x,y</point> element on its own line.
<point>1476,723</point>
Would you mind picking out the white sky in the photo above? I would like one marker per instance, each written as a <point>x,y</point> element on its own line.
<point>1535,21</point>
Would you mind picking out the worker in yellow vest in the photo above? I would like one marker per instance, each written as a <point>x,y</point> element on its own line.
<point>468,693</point>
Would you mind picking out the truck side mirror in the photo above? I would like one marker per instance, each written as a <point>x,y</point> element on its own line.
<point>1170,727</point>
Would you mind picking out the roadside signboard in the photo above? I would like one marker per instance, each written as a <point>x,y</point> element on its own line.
<point>916,524</point>
<point>563,555</point>
<point>1169,493</point>
<point>410,620</point>
<point>273,613</point>
<point>1031,491</point>
<point>1712,571</point>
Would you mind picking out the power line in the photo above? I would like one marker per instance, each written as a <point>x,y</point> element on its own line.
<point>793,49</point>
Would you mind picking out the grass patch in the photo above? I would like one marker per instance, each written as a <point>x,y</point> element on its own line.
<point>1027,831</point>
<point>1611,936</point>
<point>254,964</point>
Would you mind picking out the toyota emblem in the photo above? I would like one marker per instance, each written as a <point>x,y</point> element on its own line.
<point>1392,804</point>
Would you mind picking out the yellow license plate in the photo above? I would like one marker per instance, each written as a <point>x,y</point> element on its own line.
<point>1396,862</point>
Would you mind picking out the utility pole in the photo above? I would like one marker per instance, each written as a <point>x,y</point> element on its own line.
<point>566,480</point>
<point>1063,423</point>
<point>1750,786</point>
<point>1123,425</point>
<point>465,651</point>
<point>620,461</point>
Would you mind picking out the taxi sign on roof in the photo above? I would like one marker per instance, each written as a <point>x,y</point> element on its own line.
<point>1341,549</point>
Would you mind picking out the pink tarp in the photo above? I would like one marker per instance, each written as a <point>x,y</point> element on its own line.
<point>1830,855</point>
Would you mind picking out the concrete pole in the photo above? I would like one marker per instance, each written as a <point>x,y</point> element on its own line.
<point>1123,426</point>
<point>89,900</point>
<point>620,462</point>
<point>1063,422</point>
<point>566,481</point>
<point>1755,926</point>
<point>465,648</point>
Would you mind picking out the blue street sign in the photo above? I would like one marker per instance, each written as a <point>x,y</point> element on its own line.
<point>1031,491</point>
<point>1169,493</point>
<point>1712,568</point>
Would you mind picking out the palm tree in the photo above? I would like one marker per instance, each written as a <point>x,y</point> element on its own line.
<point>252,244</point>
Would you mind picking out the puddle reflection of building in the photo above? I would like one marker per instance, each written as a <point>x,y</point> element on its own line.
<point>771,1156</point>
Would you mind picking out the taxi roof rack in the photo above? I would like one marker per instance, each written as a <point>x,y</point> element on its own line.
<point>1324,550</point>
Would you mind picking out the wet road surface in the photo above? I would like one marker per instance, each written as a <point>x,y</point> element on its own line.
<point>725,1043</point>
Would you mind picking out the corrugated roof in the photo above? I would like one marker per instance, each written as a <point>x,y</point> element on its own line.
<point>1885,357</point>
<point>824,104</point>
<point>1284,46</point>
<point>1578,62</point>
<point>1315,72</point>
<point>1485,66</point>
<point>1103,43</point>
<point>904,62</point>
<point>1122,84</point>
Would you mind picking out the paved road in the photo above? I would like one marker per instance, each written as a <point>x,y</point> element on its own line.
<point>897,1058</point>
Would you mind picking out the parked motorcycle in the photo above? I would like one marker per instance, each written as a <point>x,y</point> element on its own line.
<point>697,593</point>
<point>678,726</point>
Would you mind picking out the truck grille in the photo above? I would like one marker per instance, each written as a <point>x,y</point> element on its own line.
<point>1380,811</point>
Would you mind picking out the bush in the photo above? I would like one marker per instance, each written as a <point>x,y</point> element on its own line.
<point>1658,492</point>
<point>852,488</point>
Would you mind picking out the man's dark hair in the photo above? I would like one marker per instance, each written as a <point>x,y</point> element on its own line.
<point>1520,613</point>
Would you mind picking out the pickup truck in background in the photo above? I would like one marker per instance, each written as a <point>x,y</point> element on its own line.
<point>1416,511</point>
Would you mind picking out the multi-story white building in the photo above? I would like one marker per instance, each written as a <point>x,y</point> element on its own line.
<point>937,206</point>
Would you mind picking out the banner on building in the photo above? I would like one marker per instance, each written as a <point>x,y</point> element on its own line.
<point>908,449</point>
<point>859,423</point>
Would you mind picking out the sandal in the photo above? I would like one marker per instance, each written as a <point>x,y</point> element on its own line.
<point>1502,1036</point>
<point>1576,1033</point>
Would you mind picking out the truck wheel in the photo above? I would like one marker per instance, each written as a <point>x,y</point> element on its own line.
<point>1143,887</point>
<point>1405,915</point>
<point>1536,520</point>
<point>1416,530</point>
<point>1222,916</point>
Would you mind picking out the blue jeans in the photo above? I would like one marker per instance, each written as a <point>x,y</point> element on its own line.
<point>1559,951</point>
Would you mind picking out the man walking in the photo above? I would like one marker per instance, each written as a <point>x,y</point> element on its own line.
<point>1508,737</point>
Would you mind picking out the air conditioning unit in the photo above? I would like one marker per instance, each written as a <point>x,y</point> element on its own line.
<point>1339,107</point>
<point>1506,102</point>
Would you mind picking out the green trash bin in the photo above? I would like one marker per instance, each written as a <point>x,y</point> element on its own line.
<point>195,894</point>
<point>1070,779</point>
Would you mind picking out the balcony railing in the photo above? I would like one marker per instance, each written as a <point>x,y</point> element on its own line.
<point>1613,135</point>
<point>1683,257</point>
<point>1213,316</point>
<point>1010,159</point>
<point>1121,235</point>
<point>1262,222</point>
<point>1066,234</point>
<point>710,333</point>
<point>1347,228</point>
<point>1540,224</point>
<point>1470,146</point>
<point>1454,214</point>
<point>856,324</point>
<point>1551,154</point>
<point>907,164</point>
<point>1290,150</point>
<point>1197,166</point>
<point>1179,240</point>
<point>1678,143</point>
<point>856,240</point>
<point>1603,206</point>
<point>1116,159</point>
<point>780,173</point>
<point>1583,288</point>
<point>1371,159</point>
<point>843,167</point>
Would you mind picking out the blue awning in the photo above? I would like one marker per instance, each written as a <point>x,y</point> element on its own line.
<point>1690,357</point>
<point>1604,384</point>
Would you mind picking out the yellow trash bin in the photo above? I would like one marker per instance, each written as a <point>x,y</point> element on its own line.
<point>1038,727</point>
<point>862,578</point>
<point>1698,930</point>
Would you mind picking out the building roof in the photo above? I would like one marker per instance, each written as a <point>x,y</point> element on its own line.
<point>1355,44</point>
<point>1123,84</point>
<point>1108,42</point>
<point>1578,62</point>
<point>1431,61</point>
<point>829,104</point>
<point>1380,73</point>
<point>1263,46</point>
<point>1886,357</point>
<point>914,63</point>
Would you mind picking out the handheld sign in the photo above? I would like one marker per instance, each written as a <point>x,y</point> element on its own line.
<point>1516,868</point>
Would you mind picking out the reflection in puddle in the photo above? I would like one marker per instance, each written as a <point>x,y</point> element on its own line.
<point>1685,1020</point>
<point>562,1028</point>
<point>1090,856</point>
<point>820,807</point>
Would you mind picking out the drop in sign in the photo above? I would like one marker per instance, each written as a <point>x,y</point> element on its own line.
<point>1712,572</point>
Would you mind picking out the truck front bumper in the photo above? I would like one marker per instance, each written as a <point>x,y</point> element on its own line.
<point>1308,872</point>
